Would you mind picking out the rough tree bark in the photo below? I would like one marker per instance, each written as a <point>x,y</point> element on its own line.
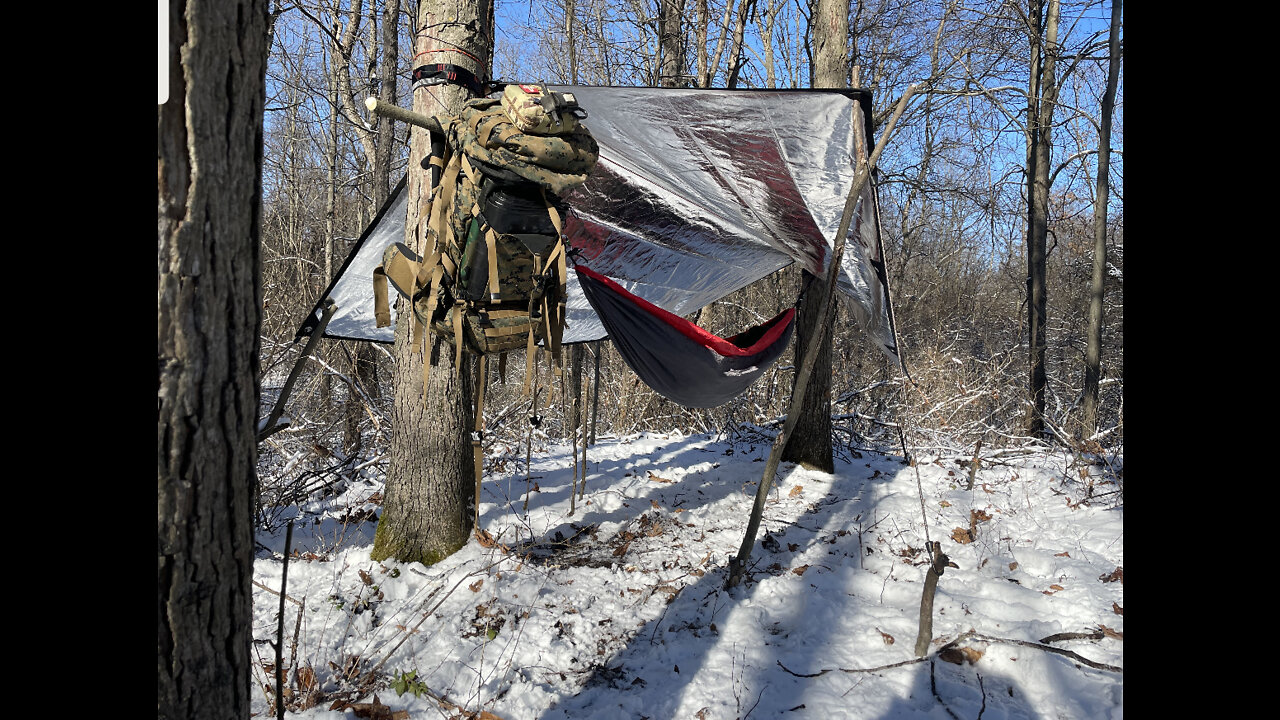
<point>427,511</point>
<point>1097,286</point>
<point>209,300</point>
<point>810,442</point>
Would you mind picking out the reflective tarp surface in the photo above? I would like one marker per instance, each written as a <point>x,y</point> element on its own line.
<point>697,193</point>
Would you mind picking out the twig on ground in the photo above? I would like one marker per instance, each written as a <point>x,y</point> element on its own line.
<point>971,635</point>
<point>275,592</point>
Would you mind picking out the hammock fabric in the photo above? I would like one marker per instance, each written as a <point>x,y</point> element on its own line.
<point>679,360</point>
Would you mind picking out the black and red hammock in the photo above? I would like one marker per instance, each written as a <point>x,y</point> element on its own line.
<point>679,360</point>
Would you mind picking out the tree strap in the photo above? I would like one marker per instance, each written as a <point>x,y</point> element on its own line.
<point>445,73</point>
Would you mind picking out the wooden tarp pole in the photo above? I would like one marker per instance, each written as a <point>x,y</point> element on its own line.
<point>268,427</point>
<point>405,116</point>
<point>595,391</point>
<point>738,564</point>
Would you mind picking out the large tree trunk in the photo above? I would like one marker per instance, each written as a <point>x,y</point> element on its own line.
<point>810,442</point>
<point>1097,286</point>
<point>427,512</point>
<point>209,300</point>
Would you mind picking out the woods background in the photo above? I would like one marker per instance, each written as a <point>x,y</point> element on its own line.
<point>1000,81</point>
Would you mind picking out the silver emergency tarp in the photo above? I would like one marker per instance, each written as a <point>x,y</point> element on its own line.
<point>697,193</point>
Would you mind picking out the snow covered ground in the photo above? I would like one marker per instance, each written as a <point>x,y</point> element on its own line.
<point>620,611</point>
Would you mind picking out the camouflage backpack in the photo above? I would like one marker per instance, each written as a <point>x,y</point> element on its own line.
<point>494,278</point>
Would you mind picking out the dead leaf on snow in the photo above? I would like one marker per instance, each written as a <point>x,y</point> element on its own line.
<point>888,639</point>
<point>374,711</point>
<point>1116,575</point>
<point>475,586</point>
<point>962,535</point>
<point>960,656</point>
<point>1053,589</point>
<point>796,491</point>
<point>655,478</point>
<point>1062,554</point>
<point>1117,609</point>
<point>306,679</point>
<point>485,538</point>
<point>1111,633</point>
<point>800,570</point>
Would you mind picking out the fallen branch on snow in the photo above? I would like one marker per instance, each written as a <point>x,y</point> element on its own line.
<point>971,635</point>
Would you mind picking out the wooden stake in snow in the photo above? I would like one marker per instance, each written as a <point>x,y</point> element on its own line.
<point>738,564</point>
<point>284,587</point>
<point>973,466</point>
<point>939,562</point>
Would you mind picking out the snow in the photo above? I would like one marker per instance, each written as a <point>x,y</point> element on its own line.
<point>620,611</point>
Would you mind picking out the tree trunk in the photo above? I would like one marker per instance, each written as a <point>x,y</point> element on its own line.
<point>427,511</point>
<point>1043,32</point>
<point>736,58</point>
<point>670,43</point>
<point>571,40</point>
<point>810,442</point>
<point>209,300</point>
<point>703,18</point>
<point>1097,286</point>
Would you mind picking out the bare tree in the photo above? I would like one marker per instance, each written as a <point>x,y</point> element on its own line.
<point>671,66</point>
<point>1042,33</point>
<point>810,442</point>
<point>1097,285</point>
<point>209,299</point>
<point>430,480</point>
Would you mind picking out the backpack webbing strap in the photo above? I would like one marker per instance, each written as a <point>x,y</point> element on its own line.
<point>484,126</point>
<point>529,354</point>
<point>477,435</point>
<point>442,204</point>
<point>556,325</point>
<point>381,308</point>
<point>440,165</point>
<point>553,313</point>
<point>459,317</point>
<point>403,273</point>
<point>534,308</point>
<point>491,239</point>
<point>420,334</point>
